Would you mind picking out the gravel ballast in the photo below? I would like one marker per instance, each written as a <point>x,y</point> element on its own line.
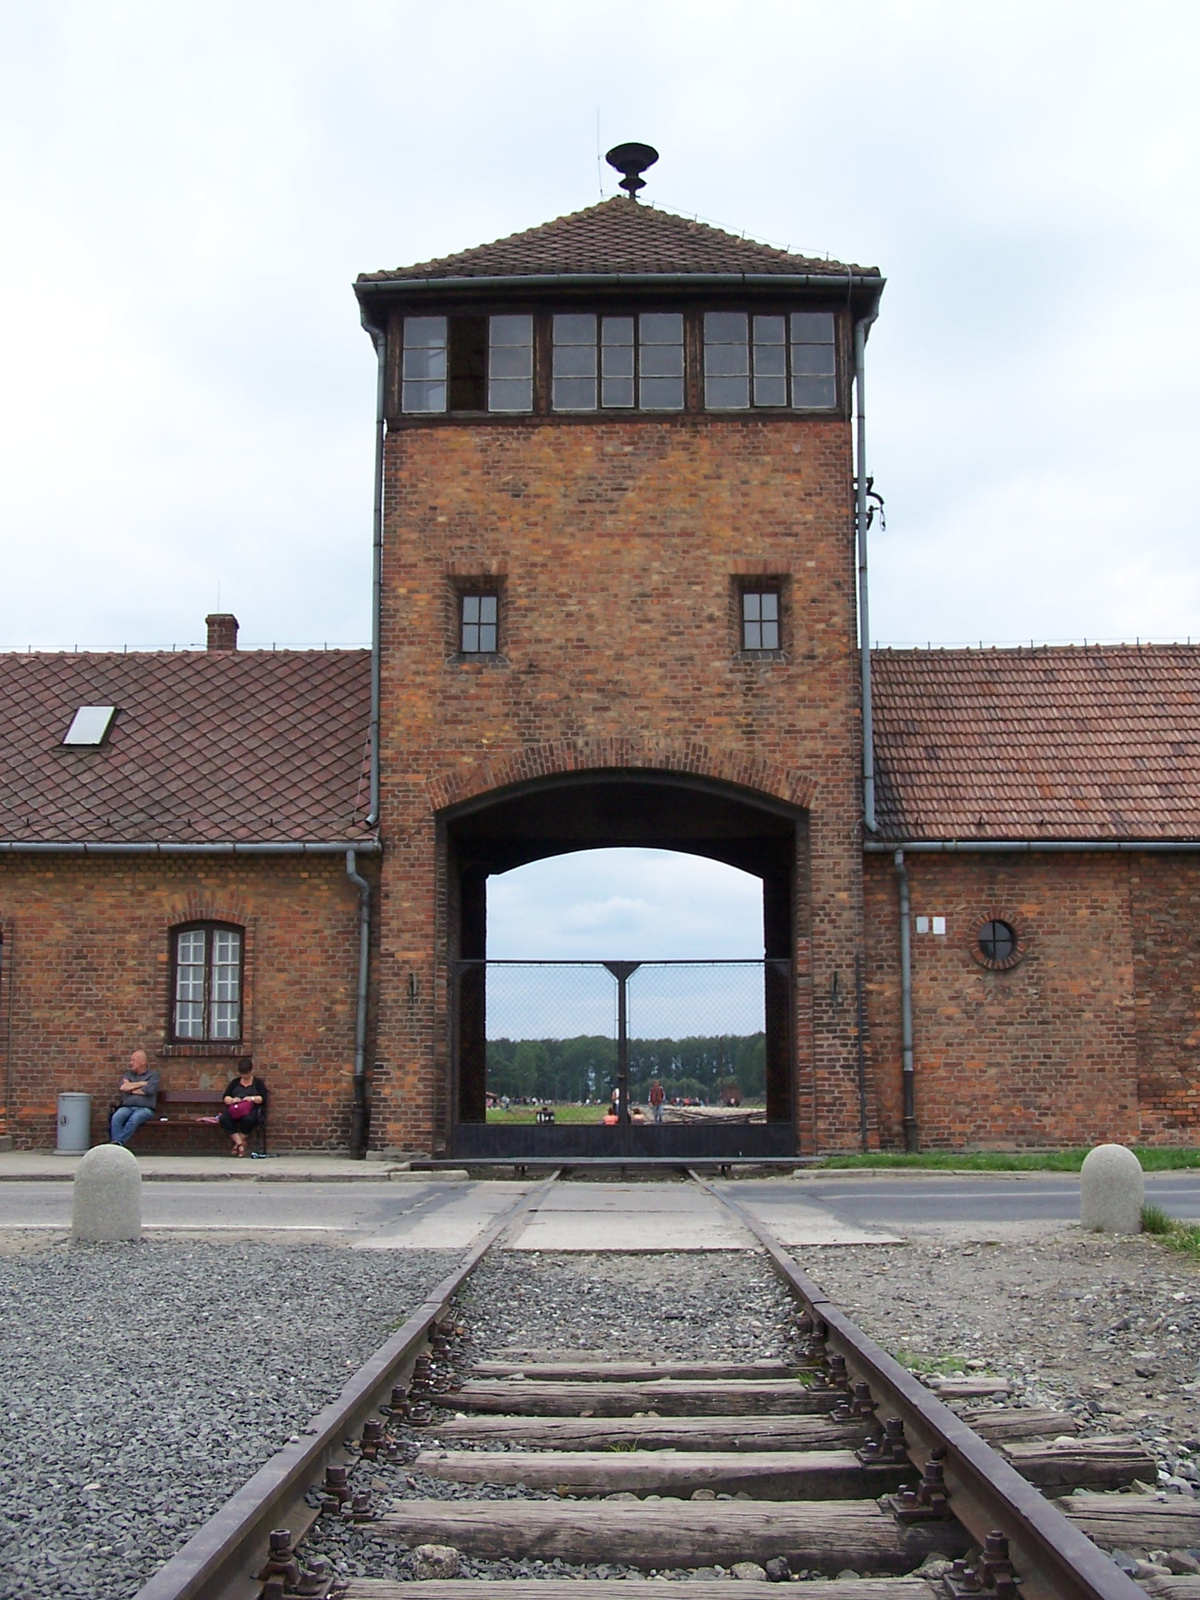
<point>145,1383</point>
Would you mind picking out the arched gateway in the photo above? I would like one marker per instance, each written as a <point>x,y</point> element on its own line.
<point>617,606</point>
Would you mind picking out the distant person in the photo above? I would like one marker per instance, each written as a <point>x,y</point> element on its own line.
<point>657,1095</point>
<point>138,1090</point>
<point>610,1117</point>
<point>637,1115</point>
<point>244,1098</point>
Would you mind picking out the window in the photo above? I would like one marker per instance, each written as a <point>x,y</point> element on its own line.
<point>89,725</point>
<point>207,984</point>
<point>479,624</point>
<point>467,364</point>
<point>615,363</point>
<point>997,941</point>
<point>760,619</point>
<point>766,360</point>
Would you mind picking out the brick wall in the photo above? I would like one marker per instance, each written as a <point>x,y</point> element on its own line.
<point>1164,892</point>
<point>1045,1053</point>
<point>618,547</point>
<point>85,973</point>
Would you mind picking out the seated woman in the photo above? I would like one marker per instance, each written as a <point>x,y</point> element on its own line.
<point>244,1099</point>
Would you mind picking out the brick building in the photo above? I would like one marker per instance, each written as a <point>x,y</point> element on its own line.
<point>620,570</point>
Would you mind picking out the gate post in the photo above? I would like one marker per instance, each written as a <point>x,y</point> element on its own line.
<point>622,971</point>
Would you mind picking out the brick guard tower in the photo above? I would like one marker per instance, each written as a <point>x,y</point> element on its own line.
<point>618,607</point>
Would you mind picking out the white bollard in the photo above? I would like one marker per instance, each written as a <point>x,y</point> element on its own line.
<point>1112,1190</point>
<point>106,1201</point>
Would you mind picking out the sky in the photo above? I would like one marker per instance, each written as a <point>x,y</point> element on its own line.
<point>188,190</point>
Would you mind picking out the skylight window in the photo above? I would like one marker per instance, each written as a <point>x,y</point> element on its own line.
<point>89,725</point>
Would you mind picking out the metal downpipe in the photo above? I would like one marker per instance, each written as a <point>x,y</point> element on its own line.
<point>906,1009</point>
<point>379,339</point>
<point>359,1111</point>
<point>861,328</point>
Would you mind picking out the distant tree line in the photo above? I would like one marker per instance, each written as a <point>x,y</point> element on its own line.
<point>585,1068</point>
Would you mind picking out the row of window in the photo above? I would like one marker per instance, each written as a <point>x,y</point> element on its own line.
<point>619,363</point>
<point>479,621</point>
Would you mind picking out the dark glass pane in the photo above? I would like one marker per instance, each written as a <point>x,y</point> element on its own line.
<point>511,330</point>
<point>423,397</point>
<point>511,361</point>
<point>813,359</point>
<point>725,327</point>
<point>574,360</point>
<point>997,941</point>
<point>426,332</point>
<point>662,361</point>
<point>770,361</point>
<point>616,360</point>
<point>425,362</point>
<point>812,327</point>
<point>468,363</point>
<point>616,330</point>
<point>726,360</point>
<point>769,330</point>
<point>510,394</point>
<point>575,394</point>
<point>770,391</point>
<point>616,391</point>
<point>727,394</point>
<point>661,327</point>
<point>575,328</point>
<point>662,394</point>
<point>814,393</point>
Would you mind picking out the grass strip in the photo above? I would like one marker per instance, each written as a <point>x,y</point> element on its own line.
<point>1181,1236</point>
<point>1152,1160</point>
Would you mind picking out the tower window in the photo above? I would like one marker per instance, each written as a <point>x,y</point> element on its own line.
<point>997,941</point>
<point>479,624</point>
<point>617,363</point>
<point>467,364</point>
<point>207,989</point>
<point>760,619</point>
<point>769,360</point>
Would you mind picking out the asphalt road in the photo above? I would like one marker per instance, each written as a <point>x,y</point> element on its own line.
<point>436,1213</point>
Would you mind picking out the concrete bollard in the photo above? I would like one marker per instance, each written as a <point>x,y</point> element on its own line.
<point>1112,1190</point>
<point>106,1200</point>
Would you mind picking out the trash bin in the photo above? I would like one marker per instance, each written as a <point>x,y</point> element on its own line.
<point>74,1124</point>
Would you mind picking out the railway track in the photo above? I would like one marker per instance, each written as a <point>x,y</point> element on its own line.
<point>838,1465</point>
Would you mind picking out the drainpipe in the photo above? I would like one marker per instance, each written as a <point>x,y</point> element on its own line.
<point>861,328</point>
<point>359,1113</point>
<point>906,1015</point>
<point>379,339</point>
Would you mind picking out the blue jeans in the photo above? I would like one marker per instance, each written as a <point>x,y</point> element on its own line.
<point>126,1120</point>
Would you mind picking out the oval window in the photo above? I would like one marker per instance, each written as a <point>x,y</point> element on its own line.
<point>997,941</point>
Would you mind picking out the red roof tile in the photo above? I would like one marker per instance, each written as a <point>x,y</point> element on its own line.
<point>1057,743</point>
<point>241,745</point>
<point>616,236</point>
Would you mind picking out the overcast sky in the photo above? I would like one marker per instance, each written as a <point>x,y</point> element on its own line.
<point>187,191</point>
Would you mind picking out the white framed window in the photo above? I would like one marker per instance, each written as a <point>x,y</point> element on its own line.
<point>769,360</point>
<point>206,983</point>
<point>479,624</point>
<point>602,363</point>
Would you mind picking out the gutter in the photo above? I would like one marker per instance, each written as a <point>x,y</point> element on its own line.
<point>224,847</point>
<point>1025,846</point>
<point>379,340</point>
<point>359,1111</point>
<point>835,282</point>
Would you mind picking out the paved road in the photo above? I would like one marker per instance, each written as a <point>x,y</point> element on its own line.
<point>834,1210</point>
<point>890,1202</point>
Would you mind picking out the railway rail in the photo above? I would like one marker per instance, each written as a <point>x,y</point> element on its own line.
<point>839,1462</point>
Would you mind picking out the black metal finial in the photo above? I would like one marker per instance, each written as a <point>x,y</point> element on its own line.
<point>632,160</point>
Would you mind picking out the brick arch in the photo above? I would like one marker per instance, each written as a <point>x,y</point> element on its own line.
<point>200,906</point>
<point>559,757</point>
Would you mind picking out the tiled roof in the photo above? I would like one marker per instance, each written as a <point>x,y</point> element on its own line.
<point>1058,743</point>
<point>616,236</point>
<point>241,745</point>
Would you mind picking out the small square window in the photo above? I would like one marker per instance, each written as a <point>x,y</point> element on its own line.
<point>479,624</point>
<point>760,619</point>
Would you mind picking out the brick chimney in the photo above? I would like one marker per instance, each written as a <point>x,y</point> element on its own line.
<point>222,630</point>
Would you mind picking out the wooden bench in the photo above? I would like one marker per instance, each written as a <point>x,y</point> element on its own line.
<point>194,1107</point>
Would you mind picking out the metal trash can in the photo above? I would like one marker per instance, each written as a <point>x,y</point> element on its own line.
<point>74,1124</point>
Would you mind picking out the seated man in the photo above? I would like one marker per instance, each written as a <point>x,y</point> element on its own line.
<point>139,1098</point>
